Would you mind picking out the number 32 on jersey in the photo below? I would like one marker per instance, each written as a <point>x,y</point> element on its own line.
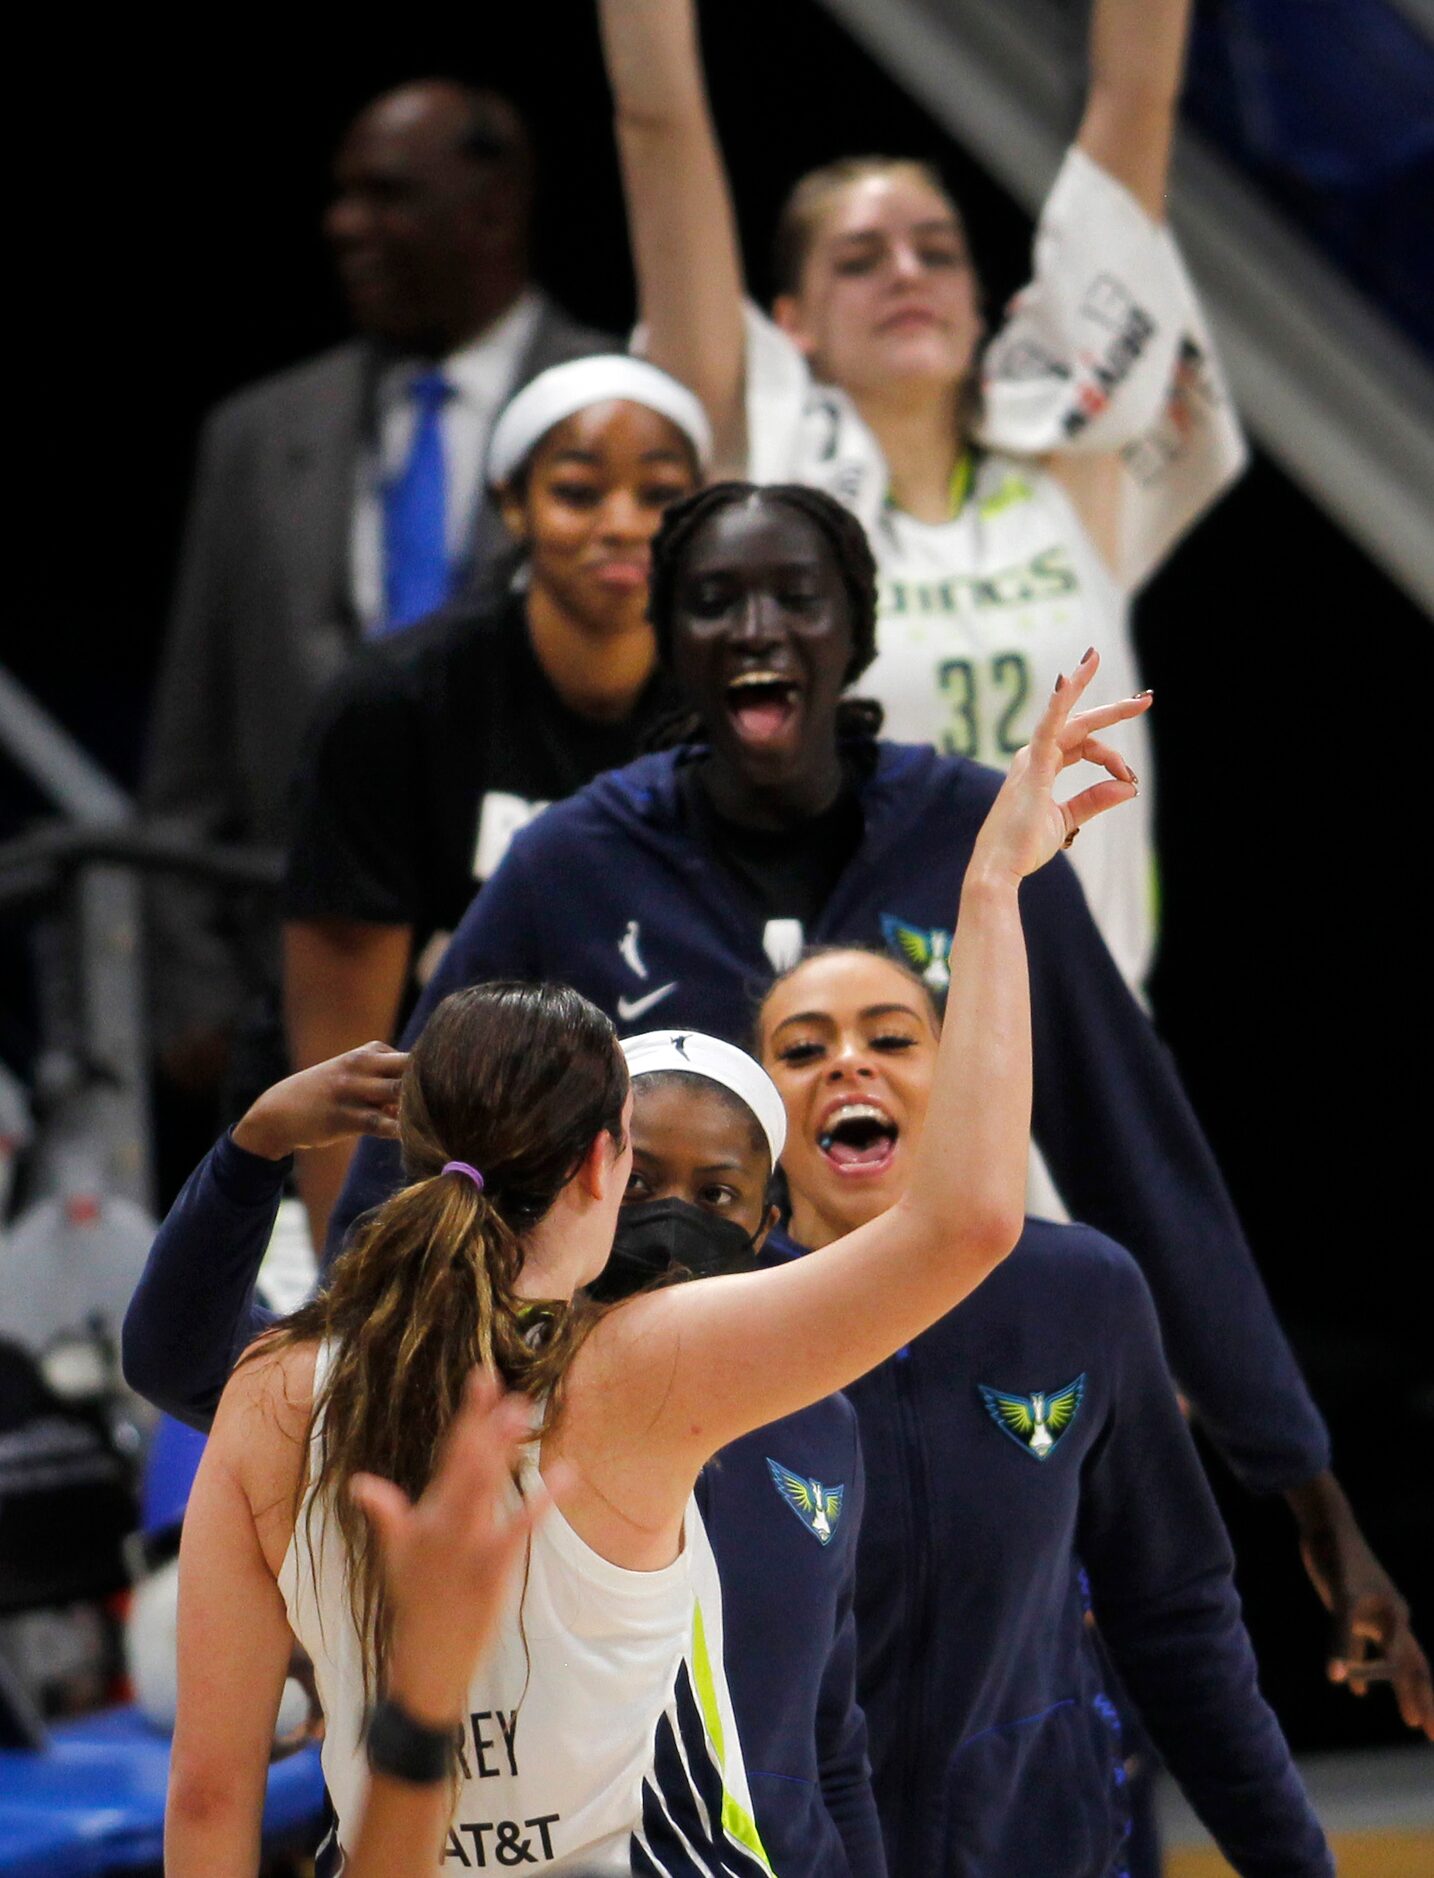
<point>986,698</point>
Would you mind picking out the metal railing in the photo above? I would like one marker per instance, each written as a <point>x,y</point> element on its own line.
<point>83,874</point>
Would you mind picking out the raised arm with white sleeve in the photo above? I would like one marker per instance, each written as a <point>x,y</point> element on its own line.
<point>684,232</point>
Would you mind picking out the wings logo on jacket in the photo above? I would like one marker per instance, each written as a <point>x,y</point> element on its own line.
<point>1037,1421</point>
<point>926,949</point>
<point>816,1506</point>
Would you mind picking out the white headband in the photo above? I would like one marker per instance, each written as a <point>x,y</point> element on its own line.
<point>566,389</point>
<point>719,1062</point>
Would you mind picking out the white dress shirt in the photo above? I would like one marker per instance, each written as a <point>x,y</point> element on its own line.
<point>482,374</point>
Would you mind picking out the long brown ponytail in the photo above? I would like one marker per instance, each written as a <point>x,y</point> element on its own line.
<point>518,1081</point>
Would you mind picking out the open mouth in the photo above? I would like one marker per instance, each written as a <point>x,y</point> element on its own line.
<point>859,1138</point>
<point>762,705</point>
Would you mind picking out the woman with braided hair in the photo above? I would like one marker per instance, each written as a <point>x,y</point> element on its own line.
<point>598,1734</point>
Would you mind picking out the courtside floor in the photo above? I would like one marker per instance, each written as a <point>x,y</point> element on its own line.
<point>1377,1807</point>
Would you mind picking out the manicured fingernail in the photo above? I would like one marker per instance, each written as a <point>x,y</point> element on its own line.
<point>1130,776</point>
<point>1055,688</point>
<point>1088,655</point>
<point>1143,694</point>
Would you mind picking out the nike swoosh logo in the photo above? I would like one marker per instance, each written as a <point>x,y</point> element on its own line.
<point>628,1008</point>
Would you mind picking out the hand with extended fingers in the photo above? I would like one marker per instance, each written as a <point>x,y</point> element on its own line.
<point>1026,825</point>
<point>449,1557</point>
<point>352,1094</point>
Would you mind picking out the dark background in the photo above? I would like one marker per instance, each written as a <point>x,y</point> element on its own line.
<point>167,229</point>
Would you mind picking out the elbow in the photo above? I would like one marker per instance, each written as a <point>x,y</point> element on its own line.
<point>151,1378</point>
<point>205,1796</point>
<point>980,1234</point>
<point>137,1363</point>
<point>992,1229</point>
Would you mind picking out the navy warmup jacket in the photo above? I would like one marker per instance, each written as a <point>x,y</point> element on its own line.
<point>612,893</point>
<point>787,1591</point>
<point>995,1743</point>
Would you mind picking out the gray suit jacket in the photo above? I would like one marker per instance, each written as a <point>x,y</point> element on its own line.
<point>262,620</point>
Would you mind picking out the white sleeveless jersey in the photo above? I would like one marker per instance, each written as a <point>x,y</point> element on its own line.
<point>1105,350</point>
<point>599,1734</point>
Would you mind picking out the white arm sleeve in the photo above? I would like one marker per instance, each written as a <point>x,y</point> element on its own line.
<point>1107,350</point>
<point>801,432</point>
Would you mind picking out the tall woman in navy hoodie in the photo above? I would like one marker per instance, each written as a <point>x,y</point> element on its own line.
<point>1027,1463</point>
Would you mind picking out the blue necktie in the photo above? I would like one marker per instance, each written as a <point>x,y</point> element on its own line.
<point>415,510</point>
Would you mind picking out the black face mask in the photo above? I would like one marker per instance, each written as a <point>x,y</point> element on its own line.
<point>656,1237</point>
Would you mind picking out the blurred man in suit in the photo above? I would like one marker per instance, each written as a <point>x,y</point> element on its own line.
<point>338,500</point>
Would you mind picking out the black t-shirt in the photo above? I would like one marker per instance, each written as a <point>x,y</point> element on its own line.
<point>428,755</point>
<point>787,873</point>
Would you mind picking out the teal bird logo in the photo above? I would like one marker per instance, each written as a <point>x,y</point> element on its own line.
<point>1035,1422</point>
<point>816,1506</point>
<point>926,949</point>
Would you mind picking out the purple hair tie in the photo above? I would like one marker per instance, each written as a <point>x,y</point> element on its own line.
<point>462,1167</point>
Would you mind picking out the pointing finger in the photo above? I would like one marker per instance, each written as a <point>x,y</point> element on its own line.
<point>1101,716</point>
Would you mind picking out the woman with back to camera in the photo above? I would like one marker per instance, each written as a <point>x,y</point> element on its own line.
<point>1016,495</point>
<point>1027,1461</point>
<point>707,1128</point>
<point>612,1741</point>
<point>672,890</point>
<point>439,742</point>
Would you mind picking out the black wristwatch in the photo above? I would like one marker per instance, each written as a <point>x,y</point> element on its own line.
<point>406,1749</point>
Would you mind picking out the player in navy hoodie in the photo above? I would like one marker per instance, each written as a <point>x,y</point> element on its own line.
<point>672,890</point>
<point>697,1202</point>
<point>1027,1462</point>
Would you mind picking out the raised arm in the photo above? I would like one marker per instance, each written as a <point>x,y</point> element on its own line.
<point>193,1310</point>
<point>684,236</point>
<point>684,1371</point>
<point>1137,69</point>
